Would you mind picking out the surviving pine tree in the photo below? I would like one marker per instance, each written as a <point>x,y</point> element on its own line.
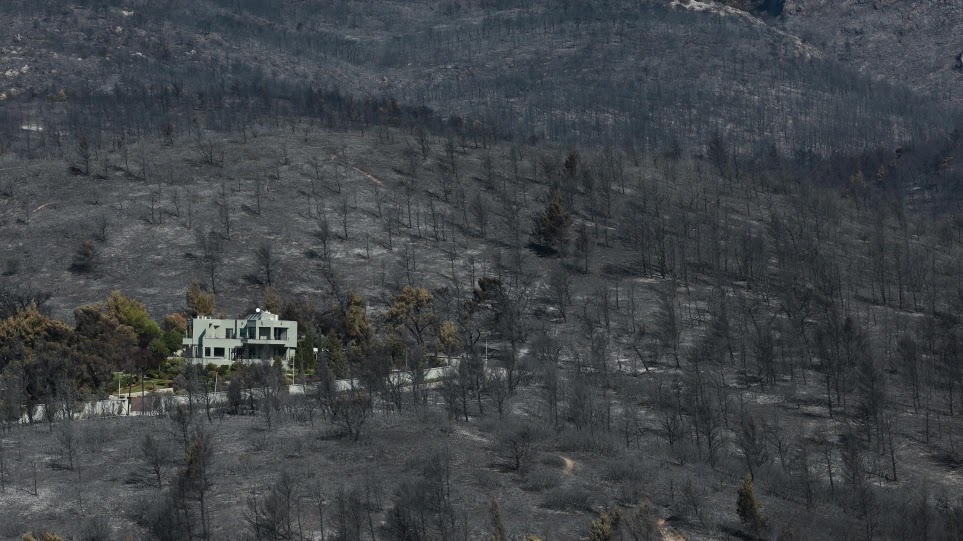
<point>551,227</point>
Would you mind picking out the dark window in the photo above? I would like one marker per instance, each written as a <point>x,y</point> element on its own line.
<point>218,352</point>
<point>207,352</point>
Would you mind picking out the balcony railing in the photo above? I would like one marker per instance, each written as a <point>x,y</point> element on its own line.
<point>268,341</point>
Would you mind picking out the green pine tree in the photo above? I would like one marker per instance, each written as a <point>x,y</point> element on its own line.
<point>304,357</point>
<point>748,507</point>
<point>337,359</point>
<point>552,225</point>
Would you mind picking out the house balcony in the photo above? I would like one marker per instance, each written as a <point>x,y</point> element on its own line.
<point>263,341</point>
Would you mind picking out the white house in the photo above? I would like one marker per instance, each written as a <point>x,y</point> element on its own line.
<point>259,336</point>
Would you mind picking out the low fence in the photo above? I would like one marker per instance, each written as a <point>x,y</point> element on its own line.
<point>85,410</point>
<point>158,403</point>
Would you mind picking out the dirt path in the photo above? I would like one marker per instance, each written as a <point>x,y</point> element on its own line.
<point>569,464</point>
<point>371,177</point>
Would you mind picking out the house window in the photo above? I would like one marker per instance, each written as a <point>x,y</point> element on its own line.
<point>207,352</point>
<point>219,352</point>
<point>280,333</point>
<point>264,333</point>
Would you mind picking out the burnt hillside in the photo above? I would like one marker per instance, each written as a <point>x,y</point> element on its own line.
<point>701,272</point>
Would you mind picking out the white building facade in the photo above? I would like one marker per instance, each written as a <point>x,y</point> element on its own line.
<point>260,336</point>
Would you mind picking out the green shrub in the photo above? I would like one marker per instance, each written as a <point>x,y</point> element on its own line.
<point>601,528</point>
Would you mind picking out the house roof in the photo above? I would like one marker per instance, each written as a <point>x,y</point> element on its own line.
<point>263,315</point>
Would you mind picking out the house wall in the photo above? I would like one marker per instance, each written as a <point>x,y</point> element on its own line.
<point>222,341</point>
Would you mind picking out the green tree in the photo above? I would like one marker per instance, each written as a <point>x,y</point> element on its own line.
<point>552,225</point>
<point>748,507</point>
<point>132,313</point>
<point>101,336</point>
<point>412,310</point>
<point>29,329</point>
<point>173,340</point>
<point>121,332</point>
<point>199,302</point>
<point>448,338</point>
<point>336,358</point>
<point>357,326</point>
<point>174,328</point>
<point>601,529</point>
<point>573,163</point>
<point>35,350</point>
<point>174,322</point>
<point>304,357</point>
